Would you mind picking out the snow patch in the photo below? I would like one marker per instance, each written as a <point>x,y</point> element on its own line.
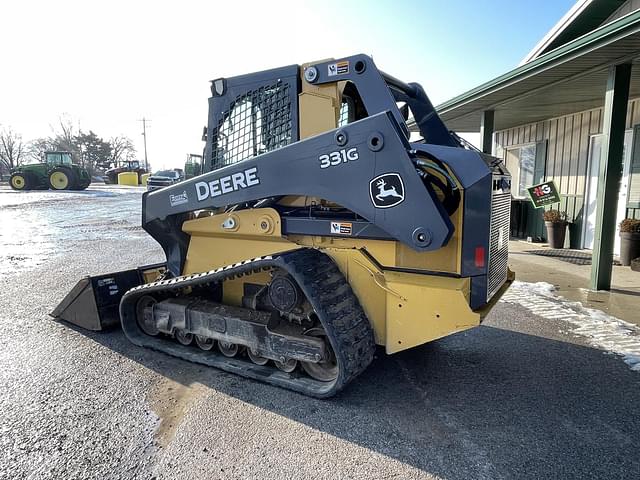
<point>38,225</point>
<point>603,331</point>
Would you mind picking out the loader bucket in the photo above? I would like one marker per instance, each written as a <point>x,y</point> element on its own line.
<point>93,302</point>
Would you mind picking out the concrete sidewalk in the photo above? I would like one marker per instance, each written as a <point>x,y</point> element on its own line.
<point>572,281</point>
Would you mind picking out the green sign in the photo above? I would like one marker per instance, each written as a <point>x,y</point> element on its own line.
<point>543,194</point>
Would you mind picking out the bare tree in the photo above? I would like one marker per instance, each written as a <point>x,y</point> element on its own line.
<point>122,149</point>
<point>65,137</point>
<point>12,149</point>
<point>36,148</point>
<point>87,148</point>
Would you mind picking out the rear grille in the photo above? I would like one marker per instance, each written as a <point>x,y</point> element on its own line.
<point>255,123</point>
<point>498,240</point>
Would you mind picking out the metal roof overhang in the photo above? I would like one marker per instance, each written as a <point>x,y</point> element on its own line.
<point>568,79</point>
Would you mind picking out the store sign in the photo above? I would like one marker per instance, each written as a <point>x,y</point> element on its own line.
<point>544,194</point>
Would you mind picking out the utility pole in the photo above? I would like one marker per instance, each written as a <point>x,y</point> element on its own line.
<point>144,136</point>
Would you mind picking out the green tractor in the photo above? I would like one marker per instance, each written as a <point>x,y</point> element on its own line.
<point>57,172</point>
<point>193,166</point>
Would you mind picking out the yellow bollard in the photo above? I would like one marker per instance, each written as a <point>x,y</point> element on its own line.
<point>144,177</point>
<point>128,178</point>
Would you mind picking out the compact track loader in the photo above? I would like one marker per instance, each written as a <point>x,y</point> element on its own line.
<point>316,232</point>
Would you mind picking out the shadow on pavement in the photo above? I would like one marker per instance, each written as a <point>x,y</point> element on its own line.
<point>484,403</point>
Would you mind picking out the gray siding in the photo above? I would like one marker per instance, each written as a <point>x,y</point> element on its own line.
<point>625,9</point>
<point>567,162</point>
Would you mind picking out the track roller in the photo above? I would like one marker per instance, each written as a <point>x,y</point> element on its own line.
<point>205,343</point>
<point>326,370</point>
<point>288,366</point>
<point>228,349</point>
<point>144,317</point>
<point>185,338</point>
<point>256,358</point>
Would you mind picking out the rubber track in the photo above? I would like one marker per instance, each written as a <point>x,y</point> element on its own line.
<point>331,296</point>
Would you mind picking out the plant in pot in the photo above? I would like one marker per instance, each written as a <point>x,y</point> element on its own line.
<point>629,240</point>
<point>556,223</point>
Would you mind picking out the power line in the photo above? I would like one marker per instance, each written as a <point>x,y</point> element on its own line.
<point>144,136</point>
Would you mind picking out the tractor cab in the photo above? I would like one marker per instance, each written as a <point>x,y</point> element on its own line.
<point>193,166</point>
<point>57,158</point>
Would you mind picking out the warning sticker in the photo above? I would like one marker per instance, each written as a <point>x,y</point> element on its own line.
<point>341,228</point>
<point>107,281</point>
<point>338,68</point>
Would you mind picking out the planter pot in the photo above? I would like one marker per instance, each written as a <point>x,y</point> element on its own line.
<point>629,247</point>
<point>556,232</point>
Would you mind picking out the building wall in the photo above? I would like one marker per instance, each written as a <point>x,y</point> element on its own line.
<point>625,9</point>
<point>567,140</point>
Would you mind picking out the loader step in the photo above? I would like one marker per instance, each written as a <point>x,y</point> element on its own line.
<point>340,318</point>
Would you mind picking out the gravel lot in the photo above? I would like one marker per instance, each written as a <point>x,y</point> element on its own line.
<point>519,397</point>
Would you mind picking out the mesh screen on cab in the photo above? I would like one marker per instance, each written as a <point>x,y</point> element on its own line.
<point>256,122</point>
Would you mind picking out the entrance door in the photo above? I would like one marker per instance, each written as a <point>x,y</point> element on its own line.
<point>595,149</point>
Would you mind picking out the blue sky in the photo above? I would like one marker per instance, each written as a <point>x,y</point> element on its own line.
<point>108,64</point>
<point>453,46</point>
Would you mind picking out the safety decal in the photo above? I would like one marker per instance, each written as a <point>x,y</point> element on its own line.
<point>178,198</point>
<point>341,228</point>
<point>106,281</point>
<point>110,283</point>
<point>386,190</point>
<point>338,68</point>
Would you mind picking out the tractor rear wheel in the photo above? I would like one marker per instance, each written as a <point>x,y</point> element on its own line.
<point>61,178</point>
<point>21,181</point>
<point>81,184</point>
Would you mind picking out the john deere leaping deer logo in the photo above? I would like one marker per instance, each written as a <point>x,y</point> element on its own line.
<point>386,190</point>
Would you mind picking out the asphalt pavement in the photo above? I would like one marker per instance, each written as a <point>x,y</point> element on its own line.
<point>519,397</point>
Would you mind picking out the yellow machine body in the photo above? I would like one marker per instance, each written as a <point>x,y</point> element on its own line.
<point>405,309</point>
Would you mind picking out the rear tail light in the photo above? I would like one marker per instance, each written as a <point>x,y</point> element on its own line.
<point>480,258</point>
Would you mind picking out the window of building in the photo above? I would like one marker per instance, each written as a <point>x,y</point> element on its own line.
<point>521,162</point>
<point>633,199</point>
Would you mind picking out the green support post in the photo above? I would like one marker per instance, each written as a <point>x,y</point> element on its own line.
<point>486,131</point>
<point>614,122</point>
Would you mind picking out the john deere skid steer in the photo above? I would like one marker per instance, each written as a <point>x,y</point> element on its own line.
<point>316,232</point>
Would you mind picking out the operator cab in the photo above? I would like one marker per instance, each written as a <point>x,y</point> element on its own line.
<point>57,158</point>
